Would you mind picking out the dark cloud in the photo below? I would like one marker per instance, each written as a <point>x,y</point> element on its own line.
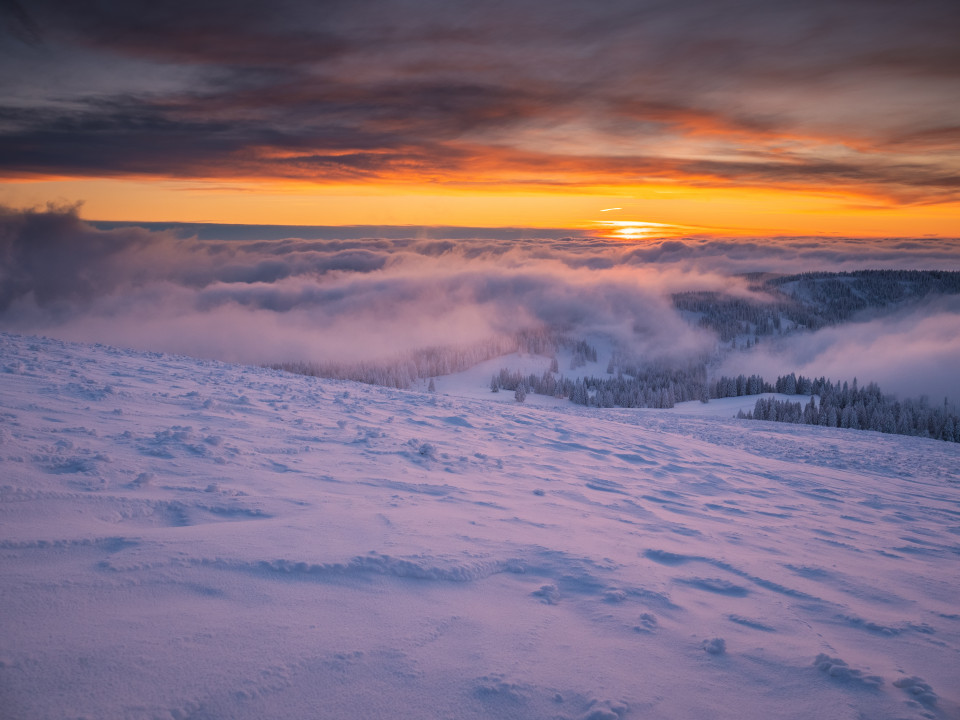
<point>212,32</point>
<point>19,22</point>
<point>854,93</point>
<point>54,256</point>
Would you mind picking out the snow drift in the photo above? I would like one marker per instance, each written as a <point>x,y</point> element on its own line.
<point>187,539</point>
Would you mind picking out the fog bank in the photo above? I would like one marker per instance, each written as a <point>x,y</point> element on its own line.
<point>232,295</point>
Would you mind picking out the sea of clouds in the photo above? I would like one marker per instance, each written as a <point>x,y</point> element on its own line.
<point>226,295</point>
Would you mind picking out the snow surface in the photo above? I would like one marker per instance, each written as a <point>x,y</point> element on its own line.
<point>189,539</point>
<point>729,407</point>
<point>475,382</point>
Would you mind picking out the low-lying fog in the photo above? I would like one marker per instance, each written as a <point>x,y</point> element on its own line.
<point>334,299</point>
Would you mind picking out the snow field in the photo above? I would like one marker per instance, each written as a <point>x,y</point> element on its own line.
<point>188,539</point>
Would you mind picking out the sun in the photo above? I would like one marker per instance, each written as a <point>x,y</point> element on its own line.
<point>643,230</point>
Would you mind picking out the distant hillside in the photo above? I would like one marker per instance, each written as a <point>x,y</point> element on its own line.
<point>812,301</point>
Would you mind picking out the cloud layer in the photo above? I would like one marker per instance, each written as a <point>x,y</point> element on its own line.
<point>227,295</point>
<point>320,299</point>
<point>915,352</point>
<point>847,94</point>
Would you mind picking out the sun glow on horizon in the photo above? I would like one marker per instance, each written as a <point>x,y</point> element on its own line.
<point>324,124</point>
<point>632,230</point>
<point>667,209</point>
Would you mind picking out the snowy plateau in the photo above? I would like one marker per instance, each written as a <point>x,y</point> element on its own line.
<point>191,539</point>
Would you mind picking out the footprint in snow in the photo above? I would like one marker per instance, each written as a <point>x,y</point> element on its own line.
<point>605,710</point>
<point>495,688</point>
<point>918,689</point>
<point>714,646</point>
<point>716,585</point>
<point>747,622</point>
<point>647,624</point>
<point>614,596</point>
<point>839,670</point>
<point>548,594</point>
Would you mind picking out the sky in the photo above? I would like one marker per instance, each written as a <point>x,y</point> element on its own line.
<point>634,119</point>
<point>343,180</point>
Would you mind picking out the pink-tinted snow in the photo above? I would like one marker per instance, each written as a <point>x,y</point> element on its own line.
<point>188,539</point>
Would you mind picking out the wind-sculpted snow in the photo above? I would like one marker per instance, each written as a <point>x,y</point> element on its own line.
<point>187,539</point>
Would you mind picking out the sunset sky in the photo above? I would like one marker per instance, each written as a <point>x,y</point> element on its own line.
<point>637,117</point>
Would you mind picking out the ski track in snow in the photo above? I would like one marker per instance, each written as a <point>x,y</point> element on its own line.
<point>189,539</point>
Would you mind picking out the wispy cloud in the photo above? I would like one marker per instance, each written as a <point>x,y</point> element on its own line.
<point>914,352</point>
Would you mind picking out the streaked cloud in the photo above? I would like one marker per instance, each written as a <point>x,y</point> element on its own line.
<point>851,96</point>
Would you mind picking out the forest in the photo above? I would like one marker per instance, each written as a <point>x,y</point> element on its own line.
<point>866,408</point>
<point>783,305</point>
<point>810,301</point>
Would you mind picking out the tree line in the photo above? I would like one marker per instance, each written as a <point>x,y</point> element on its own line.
<point>403,370</point>
<point>831,404</point>
<point>858,408</point>
<point>811,300</point>
<point>655,386</point>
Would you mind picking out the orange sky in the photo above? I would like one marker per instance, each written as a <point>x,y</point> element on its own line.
<point>693,210</point>
<point>705,116</point>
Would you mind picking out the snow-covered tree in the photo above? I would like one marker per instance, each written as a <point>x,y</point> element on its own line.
<point>520,394</point>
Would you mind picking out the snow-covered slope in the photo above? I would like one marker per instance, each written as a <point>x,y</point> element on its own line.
<point>186,539</point>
